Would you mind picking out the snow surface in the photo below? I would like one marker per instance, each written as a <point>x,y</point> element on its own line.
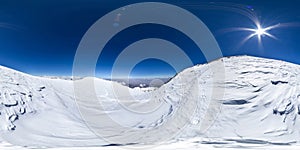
<point>236,102</point>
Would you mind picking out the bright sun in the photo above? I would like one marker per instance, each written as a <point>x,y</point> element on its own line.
<point>260,31</point>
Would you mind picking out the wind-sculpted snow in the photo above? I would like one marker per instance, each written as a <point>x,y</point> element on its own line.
<point>257,101</point>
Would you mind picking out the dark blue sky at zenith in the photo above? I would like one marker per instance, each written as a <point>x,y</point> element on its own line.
<point>41,37</point>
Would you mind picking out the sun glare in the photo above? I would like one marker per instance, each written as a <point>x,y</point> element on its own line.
<point>260,31</point>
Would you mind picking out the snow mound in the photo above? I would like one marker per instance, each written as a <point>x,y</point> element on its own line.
<point>254,101</point>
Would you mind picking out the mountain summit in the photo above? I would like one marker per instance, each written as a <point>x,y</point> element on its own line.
<point>237,99</point>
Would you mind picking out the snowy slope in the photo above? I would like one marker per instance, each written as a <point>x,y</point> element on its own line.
<point>254,101</point>
<point>261,101</point>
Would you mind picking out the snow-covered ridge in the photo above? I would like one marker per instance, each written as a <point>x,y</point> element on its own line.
<point>260,103</point>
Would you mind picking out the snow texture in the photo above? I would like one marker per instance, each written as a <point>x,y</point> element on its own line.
<point>259,106</point>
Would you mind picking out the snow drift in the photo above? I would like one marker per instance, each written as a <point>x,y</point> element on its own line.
<point>256,100</point>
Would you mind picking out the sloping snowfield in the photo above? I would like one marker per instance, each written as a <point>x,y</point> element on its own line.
<point>236,102</point>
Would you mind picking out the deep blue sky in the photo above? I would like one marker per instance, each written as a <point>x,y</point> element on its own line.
<point>41,37</point>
